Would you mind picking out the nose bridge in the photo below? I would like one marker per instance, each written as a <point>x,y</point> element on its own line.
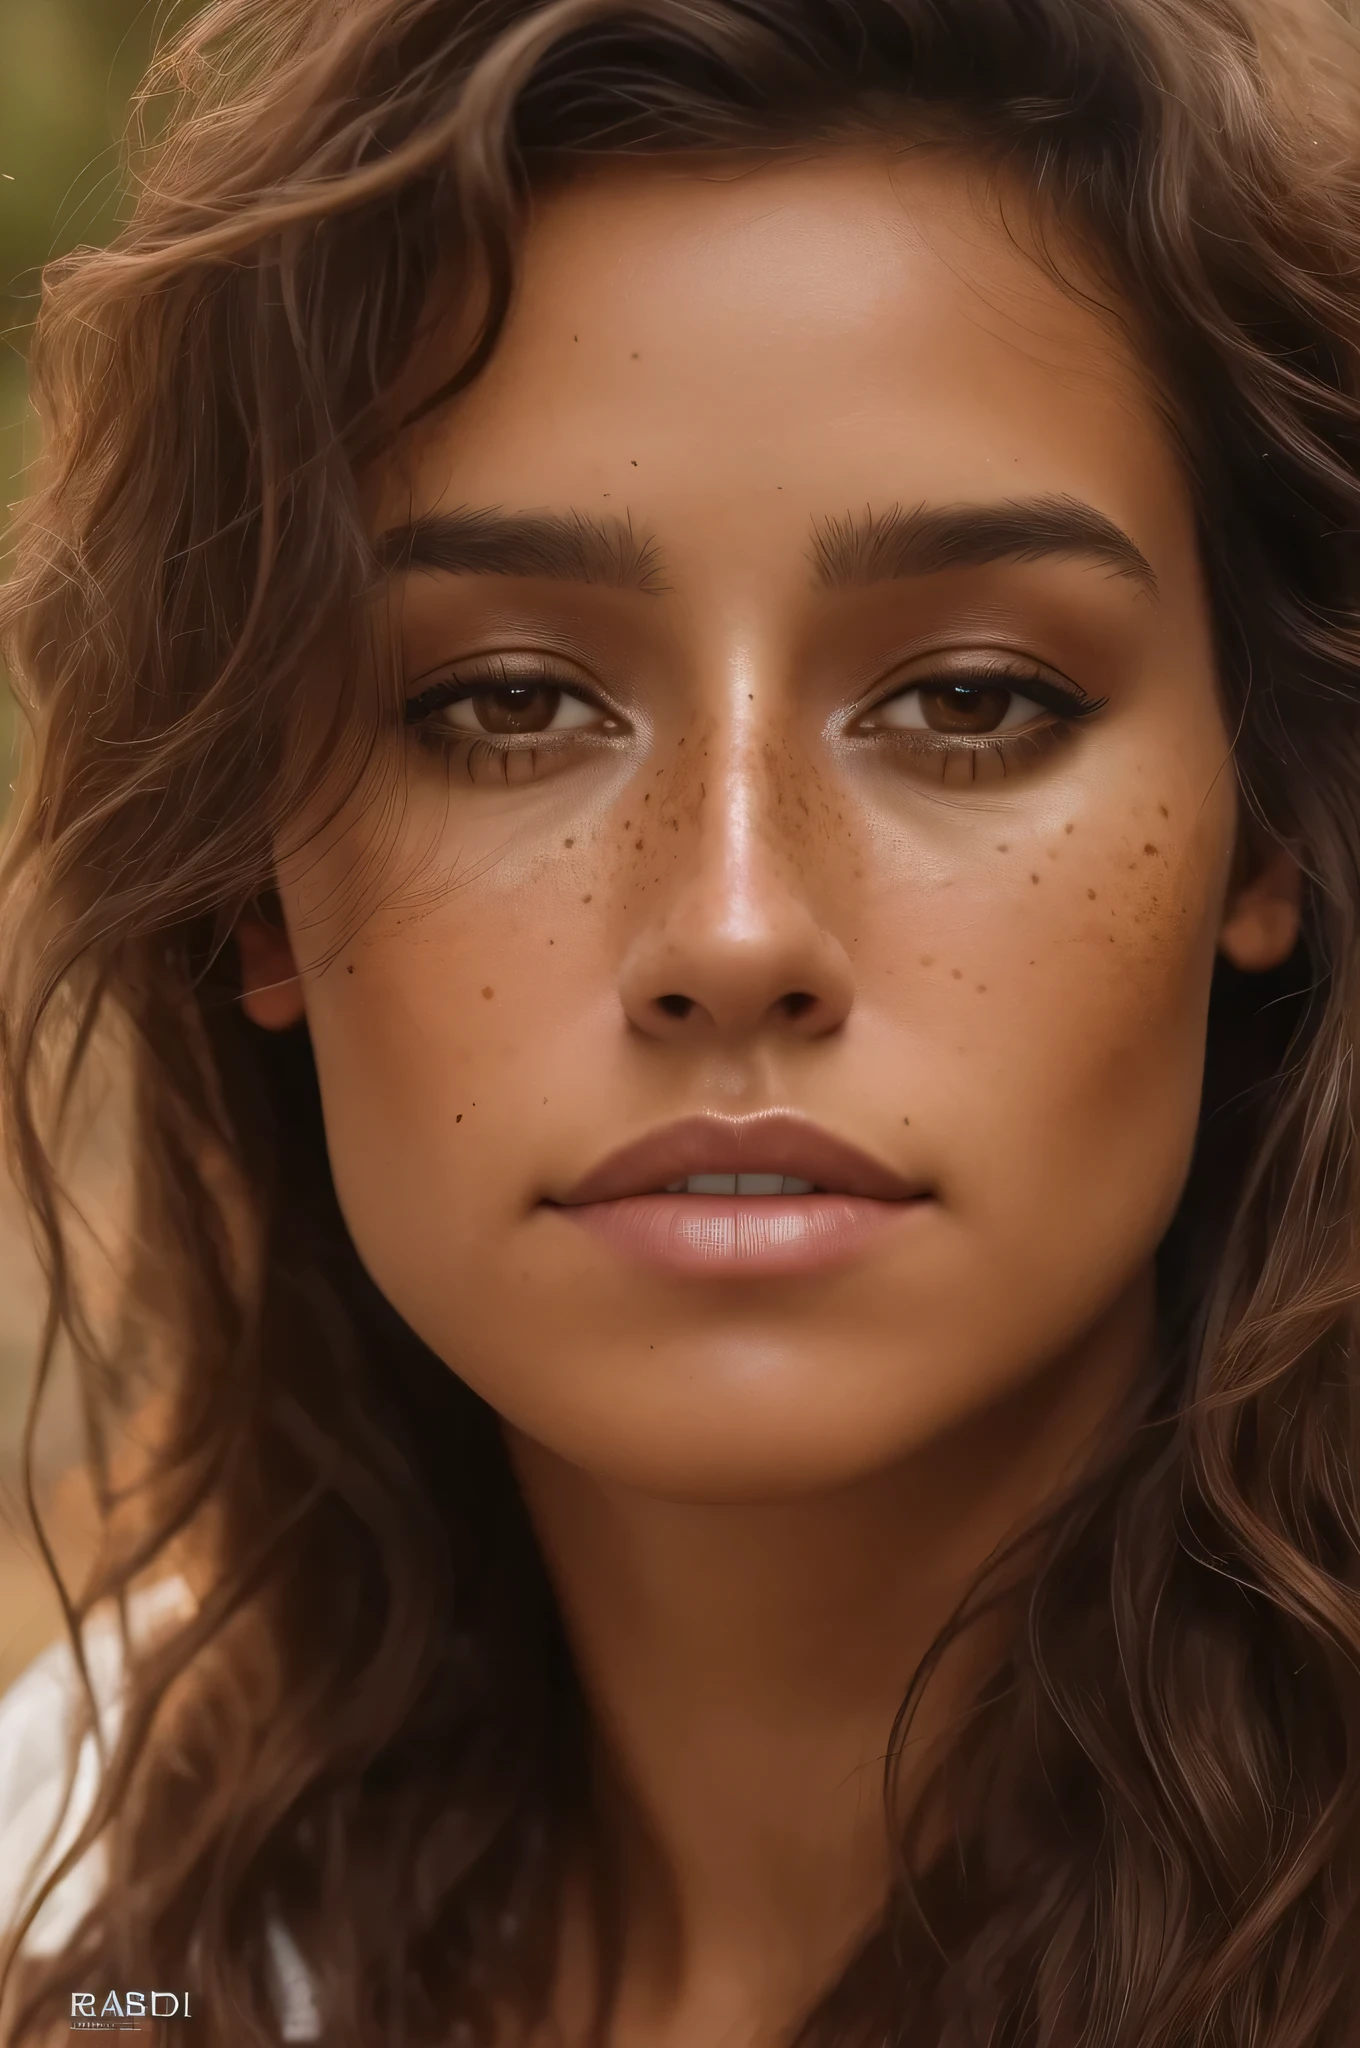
<point>735,934</point>
<point>741,798</point>
<point>733,848</point>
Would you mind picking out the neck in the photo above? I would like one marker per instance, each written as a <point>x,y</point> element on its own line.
<point>744,1663</point>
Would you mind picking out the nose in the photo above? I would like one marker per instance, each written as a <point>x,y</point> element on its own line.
<point>736,947</point>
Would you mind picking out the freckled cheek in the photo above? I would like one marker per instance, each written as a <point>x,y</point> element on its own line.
<point>467,999</point>
<point>1080,1071</point>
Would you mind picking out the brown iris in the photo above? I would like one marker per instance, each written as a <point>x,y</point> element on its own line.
<point>517,707</point>
<point>964,708</point>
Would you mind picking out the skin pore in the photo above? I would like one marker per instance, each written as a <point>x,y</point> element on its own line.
<point>842,561</point>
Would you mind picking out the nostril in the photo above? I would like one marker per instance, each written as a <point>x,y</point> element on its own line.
<point>675,1006</point>
<point>797,1003</point>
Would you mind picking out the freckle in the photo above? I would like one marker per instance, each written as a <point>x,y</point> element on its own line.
<point>488,993</point>
<point>459,1118</point>
<point>648,797</point>
<point>635,355</point>
<point>1132,865</point>
<point>349,969</point>
<point>637,846</point>
<point>585,899</point>
<point>1092,894</point>
<point>906,1119</point>
<point>1069,828</point>
<point>927,959</point>
<point>1002,847</point>
<point>982,988</point>
<point>635,462</point>
<point>569,842</point>
<point>1164,811</point>
<point>1034,878</point>
<point>957,973</point>
<point>1149,848</point>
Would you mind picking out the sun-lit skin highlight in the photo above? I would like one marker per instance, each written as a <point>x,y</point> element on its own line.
<point>1008,973</point>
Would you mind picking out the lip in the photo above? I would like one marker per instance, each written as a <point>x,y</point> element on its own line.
<point>624,1200</point>
<point>771,1142</point>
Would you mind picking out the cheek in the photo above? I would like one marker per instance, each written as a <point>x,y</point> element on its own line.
<point>1069,989</point>
<point>448,1036</point>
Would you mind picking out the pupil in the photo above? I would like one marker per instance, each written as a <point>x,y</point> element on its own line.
<point>518,707</point>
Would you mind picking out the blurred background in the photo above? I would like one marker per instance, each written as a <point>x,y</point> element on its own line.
<point>67,71</point>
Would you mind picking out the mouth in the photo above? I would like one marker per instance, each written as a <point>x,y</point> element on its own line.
<point>748,1197</point>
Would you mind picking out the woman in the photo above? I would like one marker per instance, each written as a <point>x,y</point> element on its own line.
<point>696,703</point>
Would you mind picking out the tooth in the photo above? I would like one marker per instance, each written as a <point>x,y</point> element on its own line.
<point>675,1187</point>
<point>712,1184</point>
<point>760,1183</point>
<point>790,1186</point>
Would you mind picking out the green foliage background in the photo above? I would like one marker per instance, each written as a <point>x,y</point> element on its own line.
<point>67,69</point>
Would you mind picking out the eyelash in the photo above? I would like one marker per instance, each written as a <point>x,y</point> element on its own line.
<point>482,752</point>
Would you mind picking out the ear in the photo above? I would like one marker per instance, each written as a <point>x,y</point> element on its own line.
<point>1261,916</point>
<point>271,991</point>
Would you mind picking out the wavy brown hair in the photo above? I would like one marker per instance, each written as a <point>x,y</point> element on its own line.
<point>370,1728</point>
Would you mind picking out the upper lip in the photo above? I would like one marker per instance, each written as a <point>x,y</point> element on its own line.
<point>772,1142</point>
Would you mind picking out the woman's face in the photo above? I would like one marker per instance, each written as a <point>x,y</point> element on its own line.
<point>815,771</point>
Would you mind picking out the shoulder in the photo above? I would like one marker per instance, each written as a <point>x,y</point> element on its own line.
<point>42,1807</point>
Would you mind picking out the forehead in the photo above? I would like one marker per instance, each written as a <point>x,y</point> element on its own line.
<point>841,329</point>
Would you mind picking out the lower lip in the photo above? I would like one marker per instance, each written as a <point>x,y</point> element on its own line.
<point>741,1236</point>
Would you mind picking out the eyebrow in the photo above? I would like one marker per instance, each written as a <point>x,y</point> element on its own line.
<point>570,547</point>
<point>875,547</point>
<point>879,547</point>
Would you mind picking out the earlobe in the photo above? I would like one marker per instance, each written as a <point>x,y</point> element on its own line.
<point>271,991</point>
<point>1262,915</point>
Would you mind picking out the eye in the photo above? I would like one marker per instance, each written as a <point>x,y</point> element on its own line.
<point>519,707</point>
<point>958,710</point>
<point>506,701</point>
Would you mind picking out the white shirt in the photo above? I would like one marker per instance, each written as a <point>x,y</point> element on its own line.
<point>35,1726</point>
